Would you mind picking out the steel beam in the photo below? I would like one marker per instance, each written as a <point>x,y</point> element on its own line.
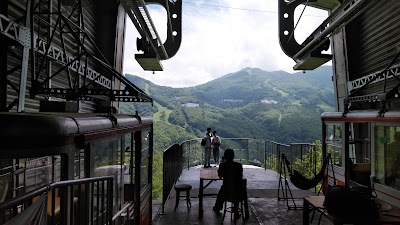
<point>3,62</point>
<point>150,43</point>
<point>374,78</point>
<point>314,44</point>
<point>33,45</point>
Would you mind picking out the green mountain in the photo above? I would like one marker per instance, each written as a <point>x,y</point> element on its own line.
<point>253,103</point>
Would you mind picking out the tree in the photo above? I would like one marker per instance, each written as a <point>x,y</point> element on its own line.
<point>157,175</point>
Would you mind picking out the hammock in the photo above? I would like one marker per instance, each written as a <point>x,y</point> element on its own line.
<point>303,182</point>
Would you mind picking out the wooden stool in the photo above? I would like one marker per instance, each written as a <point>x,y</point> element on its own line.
<point>231,210</point>
<point>183,187</point>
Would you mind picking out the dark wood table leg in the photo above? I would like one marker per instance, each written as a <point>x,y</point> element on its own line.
<point>201,198</point>
<point>306,212</point>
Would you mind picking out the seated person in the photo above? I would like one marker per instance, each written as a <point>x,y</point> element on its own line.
<point>232,185</point>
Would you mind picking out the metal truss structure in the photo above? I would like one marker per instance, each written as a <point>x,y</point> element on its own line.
<point>384,96</point>
<point>43,36</point>
<point>308,55</point>
<point>374,78</point>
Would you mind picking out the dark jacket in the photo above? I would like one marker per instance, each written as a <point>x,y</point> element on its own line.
<point>232,174</point>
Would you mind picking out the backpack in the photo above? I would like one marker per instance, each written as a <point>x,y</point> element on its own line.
<point>203,142</point>
<point>355,202</point>
<point>217,144</point>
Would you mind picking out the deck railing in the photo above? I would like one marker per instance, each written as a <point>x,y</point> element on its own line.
<point>83,201</point>
<point>248,151</point>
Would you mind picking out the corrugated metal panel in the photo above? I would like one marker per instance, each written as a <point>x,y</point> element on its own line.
<point>375,38</point>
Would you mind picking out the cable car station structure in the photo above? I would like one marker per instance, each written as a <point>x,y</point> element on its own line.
<point>362,134</point>
<point>61,65</point>
<point>68,157</point>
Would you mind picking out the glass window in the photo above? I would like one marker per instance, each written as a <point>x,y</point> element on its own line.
<point>334,142</point>
<point>57,168</point>
<point>144,168</point>
<point>18,176</point>
<point>144,174</point>
<point>107,162</point>
<point>359,153</point>
<point>129,170</point>
<point>6,179</point>
<point>359,149</point>
<point>387,156</point>
<point>79,164</point>
<point>145,144</point>
<point>39,171</point>
<point>106,153</point>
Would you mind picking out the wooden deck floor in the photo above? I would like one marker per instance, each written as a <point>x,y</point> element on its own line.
<point>264,206</point>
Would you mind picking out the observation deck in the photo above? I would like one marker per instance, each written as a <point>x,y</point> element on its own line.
<point>260,160</point>
<point>262,189</point>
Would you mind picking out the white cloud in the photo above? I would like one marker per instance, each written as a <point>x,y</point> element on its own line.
<point>221,40</point>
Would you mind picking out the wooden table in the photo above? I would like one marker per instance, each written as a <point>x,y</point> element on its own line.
<point>316,203</point>
<point>211,175</point>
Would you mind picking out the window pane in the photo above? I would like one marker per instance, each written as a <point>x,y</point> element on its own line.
<point>144,173</point>
<point>108,163</point>
<point>79,164</point>
<point>145,144</point>
<point>129,172</point>
<point>334,142</point>
<point>387,157</point>
<point>39,172</point>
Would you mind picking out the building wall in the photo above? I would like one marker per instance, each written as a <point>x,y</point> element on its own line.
<point>372,41</point>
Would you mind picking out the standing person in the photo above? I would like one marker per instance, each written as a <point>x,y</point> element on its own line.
<point>207,148</point>
<point>215,144</point>
<point>232,184</point>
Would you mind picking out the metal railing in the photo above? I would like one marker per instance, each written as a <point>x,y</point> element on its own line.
<point>83,201</point>
<point>172,169</point>
<point>248,151</point>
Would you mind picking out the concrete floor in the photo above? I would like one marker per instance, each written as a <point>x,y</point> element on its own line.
<point>264,208</point>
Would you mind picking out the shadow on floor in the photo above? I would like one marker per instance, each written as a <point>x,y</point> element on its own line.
<point>263,211</point>
<point>264,208</point>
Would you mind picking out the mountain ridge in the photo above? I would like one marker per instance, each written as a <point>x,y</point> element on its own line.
<point>251,102</point>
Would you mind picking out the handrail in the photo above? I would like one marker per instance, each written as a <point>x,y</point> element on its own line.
<point>103,192</point>
<point>20,199</point>
<point>172,168</point>
<point>123,210</point>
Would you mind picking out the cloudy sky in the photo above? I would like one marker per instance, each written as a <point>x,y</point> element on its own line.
<point>220,37</point>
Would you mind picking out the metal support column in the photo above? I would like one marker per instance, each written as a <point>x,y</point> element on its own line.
<point>25,58</point>
<point>3,63</point>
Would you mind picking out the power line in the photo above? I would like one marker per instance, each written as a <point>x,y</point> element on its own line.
<point>237,8</point>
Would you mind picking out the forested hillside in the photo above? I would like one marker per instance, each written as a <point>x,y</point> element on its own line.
<point>276,106</point>
<point>250,103</point>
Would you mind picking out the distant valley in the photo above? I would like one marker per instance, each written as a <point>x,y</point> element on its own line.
<point>252,103</point>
